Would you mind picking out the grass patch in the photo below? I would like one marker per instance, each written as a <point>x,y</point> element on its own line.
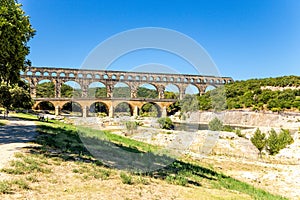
<point>88,172</point>
<point>5,187</point>
<point>126,178</point>
<point>3,122</point>
<point>26,165</point>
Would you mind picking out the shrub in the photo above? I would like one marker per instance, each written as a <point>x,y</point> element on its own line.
<point>166,123</point>
<point>215,125</point>
<point>101,114</point>
<point>239,133</point>
<point>285,138</point>
<point>227,128</point>
<point>259,140</point>
<point>276,142</point>
<point>5,187</point>
<point>126,179</point>
<point>131,126</point>
<point>272,143</point>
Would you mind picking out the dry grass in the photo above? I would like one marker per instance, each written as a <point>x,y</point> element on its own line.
<point>72,180</point>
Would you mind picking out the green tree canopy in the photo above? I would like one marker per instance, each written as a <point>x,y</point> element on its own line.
<point>215,124</point>
<point>259,140</point>
<point>15,32</point>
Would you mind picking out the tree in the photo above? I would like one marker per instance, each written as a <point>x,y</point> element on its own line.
<point>166,123</point>
<point>15,33</point>
<point>189,103</point>
<point>284,138</point>
<point>259,140</point>
<point>20,98</point>
<point>273,143</point>
<point>218,99</point>
<point>131,127</point>
<point>276,142</point>
<point>215,125</point>
<point>45,89</point>
<point>5,97</point>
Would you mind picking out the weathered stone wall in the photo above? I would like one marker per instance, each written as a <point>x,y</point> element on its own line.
<point>248,118</point>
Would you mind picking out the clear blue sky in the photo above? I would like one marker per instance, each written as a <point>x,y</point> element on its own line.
<point>246,39</point>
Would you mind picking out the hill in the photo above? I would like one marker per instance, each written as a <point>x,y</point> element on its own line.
<point>276,94</point>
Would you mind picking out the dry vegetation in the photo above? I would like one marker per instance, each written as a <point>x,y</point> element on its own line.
<point>59,168</point>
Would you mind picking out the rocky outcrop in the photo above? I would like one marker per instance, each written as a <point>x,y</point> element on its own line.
<point>248,118</point>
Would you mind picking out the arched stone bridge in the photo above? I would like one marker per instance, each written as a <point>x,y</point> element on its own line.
<point>85,78</point>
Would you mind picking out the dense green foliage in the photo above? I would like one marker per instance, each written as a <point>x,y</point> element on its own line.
<point>46,89</point>
<point>165,123</point>
<point>251,94</point>
<point>15,33</point>
<point>259,140</point>
<point>149,110</point>
<point>215,124</point>
<point>16,97</point>
<point>276,141</point>
<point>189,103</point>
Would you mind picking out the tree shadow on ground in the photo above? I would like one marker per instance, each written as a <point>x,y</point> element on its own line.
<point>70,146</point>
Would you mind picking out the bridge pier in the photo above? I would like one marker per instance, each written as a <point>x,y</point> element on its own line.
<point>85,111</point>
<point>57,110</point>
<point>164,112</point>
<point>136,111</point>
<point>111,112</point>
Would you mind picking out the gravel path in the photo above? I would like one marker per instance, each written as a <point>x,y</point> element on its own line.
<point>15,136</point>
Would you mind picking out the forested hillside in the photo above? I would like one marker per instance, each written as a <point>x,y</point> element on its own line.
<point>253,93</point>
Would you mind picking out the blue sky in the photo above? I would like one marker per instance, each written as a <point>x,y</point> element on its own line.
<point>245,39</point>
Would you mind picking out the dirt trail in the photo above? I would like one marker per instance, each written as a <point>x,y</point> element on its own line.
<point>15,136</point>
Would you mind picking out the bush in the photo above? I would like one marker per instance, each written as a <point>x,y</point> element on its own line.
<point>239,133</point>
<point>259,140</point>
<point>215,125</point>
<point>227,128</point>
<point>101,114</point>
<point>126,179</point>
<point>131,126</point>
<point>5,187</point>
<point>273,143</point>
<point>284,138</point>
<point>276,142</point>
<point>165,123</point>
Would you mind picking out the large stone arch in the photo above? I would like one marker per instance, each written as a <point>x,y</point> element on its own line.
<point>173,88</point>
<point>95,89</point>
<point>72,108</point>
<point>74,84</point>
<point>45,88</point>
<point>123,109</point>
<point>121,90</point>
<point>147,88</point>
<point>44,105</point>
<point>98,107</point>
<point>190,89</point>
<point>209,87</point>
<point>149,112</point>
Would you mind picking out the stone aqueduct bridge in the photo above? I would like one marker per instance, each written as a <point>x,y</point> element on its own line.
<point>85,77</point>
